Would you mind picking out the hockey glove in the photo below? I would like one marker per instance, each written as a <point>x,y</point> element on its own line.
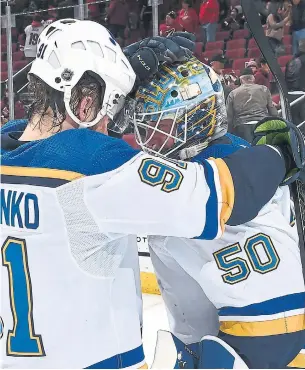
<point>278,132</point>
<point>145,55</point>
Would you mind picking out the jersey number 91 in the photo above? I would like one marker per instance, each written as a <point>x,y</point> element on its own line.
<point>153,173</point>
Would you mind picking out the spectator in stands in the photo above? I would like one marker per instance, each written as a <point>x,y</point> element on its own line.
<point>19,111</point>
<point>297,23</point>
<point>134,16</point>
<point>295,79</point>
<point>218,63</point>
<point>188,18</point>
<point>51,15</point>
<point>262,74</point>
<point>247,103</point>
<point>275,29</point>
<point>118,18</point>
<point>208,17</point>
<point>4,112</point>
<point>52,12</point>
<point>171,24</point>
<point>252,64</point>
<point>232,22</point>
<point>93,9</point>
<point>145,16</point>
<point>32,33</point>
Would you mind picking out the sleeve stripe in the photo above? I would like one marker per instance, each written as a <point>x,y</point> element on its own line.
<point>269,307</point>
<point>211,226</point>
<point>227,190</point>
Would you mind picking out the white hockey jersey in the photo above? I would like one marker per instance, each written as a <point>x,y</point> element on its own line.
<point>31,39</point>
<point>252,274</point>
<point>70,275</point>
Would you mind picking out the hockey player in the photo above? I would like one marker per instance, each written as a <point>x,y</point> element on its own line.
<point>250,280</point>
<point>72,201</point>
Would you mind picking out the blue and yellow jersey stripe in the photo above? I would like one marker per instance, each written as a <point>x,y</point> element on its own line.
<point>276,316</point>
<point>37,176</point>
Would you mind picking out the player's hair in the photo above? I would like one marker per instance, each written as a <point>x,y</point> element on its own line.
<point>49,103</point>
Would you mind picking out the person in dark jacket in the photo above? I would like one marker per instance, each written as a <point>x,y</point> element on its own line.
<point>118,18</point>
<point>297,23</point>
<point>248,104</point>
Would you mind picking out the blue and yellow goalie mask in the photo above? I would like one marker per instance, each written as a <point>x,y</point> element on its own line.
<point>184,104</point>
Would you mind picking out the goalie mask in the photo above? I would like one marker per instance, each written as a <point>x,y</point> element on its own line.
<point>180,111</point>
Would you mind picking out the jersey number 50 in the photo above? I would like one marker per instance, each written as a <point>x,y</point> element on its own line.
<point>21,340</point>
<point>262,260</point>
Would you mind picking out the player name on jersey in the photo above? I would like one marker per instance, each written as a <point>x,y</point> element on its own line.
<point>19,209</point>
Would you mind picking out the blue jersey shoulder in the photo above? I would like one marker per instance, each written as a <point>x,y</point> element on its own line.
<point>222,147</point>
<point>82,151</point>
<point>16,125</point>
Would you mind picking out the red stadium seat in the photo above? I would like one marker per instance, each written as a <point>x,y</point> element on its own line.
<point>235,53</point>
<point>241,34</point>
<point>236,44</point>
<point>14,47</point>
<point>210,54</point>
<point>19,65</point>
<point>214,45</point>
<point>283,60</point>
<point>3,66</point>
<point>252,44</point>
<point>287,40</point>
<point>240,63</point>
<point>222,36</point>
<point>18,55</point>
<point>254,53</point>
<point>198,49</point>
<point>288,49</point>
<point>3,76</point>
<point>3,39</point>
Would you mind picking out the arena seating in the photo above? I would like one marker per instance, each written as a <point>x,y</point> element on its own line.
<point>238,47</point>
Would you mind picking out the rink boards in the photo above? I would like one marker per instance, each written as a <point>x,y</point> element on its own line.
<point>148,278</point>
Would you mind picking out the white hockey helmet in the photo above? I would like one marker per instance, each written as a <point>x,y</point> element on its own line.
<point>68,48</point>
